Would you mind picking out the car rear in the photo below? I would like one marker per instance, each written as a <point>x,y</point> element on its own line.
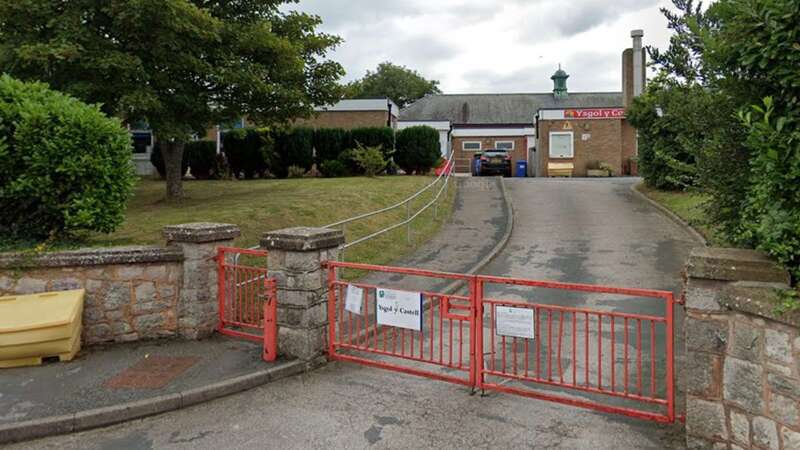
<point>495,162</point>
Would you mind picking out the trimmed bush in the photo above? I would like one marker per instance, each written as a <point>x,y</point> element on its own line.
<point>329,143</point>
<point>417,149</point>
<point>333,168</point>
<point>250,152</point>
<point>370,160</point>
<point>382,137</point>
<point>295,172</point>
<point>294,147</point>
<point>157,160</point>
<point>201,157</point>
<point>65,168</point>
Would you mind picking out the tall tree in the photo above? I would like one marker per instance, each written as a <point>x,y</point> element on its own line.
<point>179,65</point>
<point>399,83</point>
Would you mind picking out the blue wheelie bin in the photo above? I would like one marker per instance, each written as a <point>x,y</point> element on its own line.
<point>522,169</point>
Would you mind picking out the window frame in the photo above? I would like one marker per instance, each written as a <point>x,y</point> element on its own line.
<point>505,142</point>
<point>571,144</point>
<point>464,143</point>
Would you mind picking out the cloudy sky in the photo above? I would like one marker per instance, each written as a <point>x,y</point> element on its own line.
<point>492,45</point>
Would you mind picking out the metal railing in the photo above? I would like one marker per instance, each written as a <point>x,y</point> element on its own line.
<point>446,175</point>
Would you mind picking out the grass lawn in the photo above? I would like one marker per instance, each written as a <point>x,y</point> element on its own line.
<point>689,206</point>
<point>262,205</point>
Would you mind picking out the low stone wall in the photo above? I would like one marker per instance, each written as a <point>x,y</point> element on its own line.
<point>743,359</point>
<point>132,293</point>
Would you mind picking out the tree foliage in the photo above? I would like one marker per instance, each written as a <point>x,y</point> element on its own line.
<point>729,97</point>
<point>179,65</point>
<point>65,168</point>
<point>399,83</point>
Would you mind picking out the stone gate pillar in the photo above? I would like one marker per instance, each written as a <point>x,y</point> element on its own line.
<point>742,370</point>
<point>295,260</point>
<point>198,307</point>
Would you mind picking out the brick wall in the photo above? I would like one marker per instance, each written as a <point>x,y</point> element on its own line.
<point>346,119</point>
<point>603,142</point>
<point>463,158</point>
<point>743,360</point>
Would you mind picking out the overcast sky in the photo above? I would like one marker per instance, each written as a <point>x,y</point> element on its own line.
<point>492,45</point>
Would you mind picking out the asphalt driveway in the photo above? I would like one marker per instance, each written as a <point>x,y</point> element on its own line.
<point>588,231</point>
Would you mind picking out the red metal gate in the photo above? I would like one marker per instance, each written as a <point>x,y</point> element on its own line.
<point>247,298</point>
<point>606,360</point>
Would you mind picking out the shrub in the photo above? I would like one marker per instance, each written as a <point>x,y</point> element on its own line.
<point>382,137</point>
<point>249,151</point>
<point>329,143</point>
<point>333,168</point>
<point>157,160</point>
<point>65,168</point>
<point>293,147</point>
<point>370,159</point>
<point>201,157</point>
<point>417,149</point>
<point>295,172</point>
<point>771,216</point>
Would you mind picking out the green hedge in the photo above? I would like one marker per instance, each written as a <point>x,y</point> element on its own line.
<point>65,168</point>
<point>293,147</point>
<point>417,149</point>
<point>329,143</point>
<point>250,152</point>
<point>373,137</point>
<point>201,157</point>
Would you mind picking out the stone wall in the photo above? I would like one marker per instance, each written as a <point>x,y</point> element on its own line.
<point>132,293</point>
<point>743,359</point>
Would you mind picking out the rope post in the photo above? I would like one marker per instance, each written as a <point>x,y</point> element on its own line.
<point>408,225</point>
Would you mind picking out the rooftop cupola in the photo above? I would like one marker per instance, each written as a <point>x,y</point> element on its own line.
<point>559,83</point>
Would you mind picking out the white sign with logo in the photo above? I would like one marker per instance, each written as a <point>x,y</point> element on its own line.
<point>354,299</point>
<point>400,309</point>
<point>514,322</point>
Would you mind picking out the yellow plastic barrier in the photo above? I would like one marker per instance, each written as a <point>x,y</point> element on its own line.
<point>38,326</point>
<point>560,169</point>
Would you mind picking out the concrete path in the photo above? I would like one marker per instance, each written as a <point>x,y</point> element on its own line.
<point>592,231</point>
<point>146,373</point>
<point>479,221</point>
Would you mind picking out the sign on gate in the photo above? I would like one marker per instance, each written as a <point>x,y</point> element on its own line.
<point>515,322</point>
<point>400,309</point>
<point>354,299</point>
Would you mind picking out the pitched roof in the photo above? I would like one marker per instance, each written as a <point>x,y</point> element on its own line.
<point>501,108</point>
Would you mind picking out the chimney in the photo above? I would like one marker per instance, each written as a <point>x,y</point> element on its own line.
<point>638,62</point>
<point>633,73</point>
<point>559,83</point>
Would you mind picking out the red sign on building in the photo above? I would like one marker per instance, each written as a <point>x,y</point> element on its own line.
<point>595,113</point>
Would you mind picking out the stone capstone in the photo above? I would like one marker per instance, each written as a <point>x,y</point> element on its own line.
<point>302,239</point>
<point>199,232</point>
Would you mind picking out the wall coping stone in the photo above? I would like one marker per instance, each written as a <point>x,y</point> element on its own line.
<point>302,239</point>
<point>734,264</point>
<point>758,299</point>
<point>92,257</point>
<point>200,232</point>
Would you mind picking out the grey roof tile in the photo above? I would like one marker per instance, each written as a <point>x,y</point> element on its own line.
<point>501,108</point>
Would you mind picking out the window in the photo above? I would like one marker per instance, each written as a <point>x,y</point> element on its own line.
<point>471,146</point>
<point>561,144</point>
<point>142,141</point>
<point>504,145</point>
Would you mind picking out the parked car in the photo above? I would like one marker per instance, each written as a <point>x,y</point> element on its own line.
<point>495,162</point>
